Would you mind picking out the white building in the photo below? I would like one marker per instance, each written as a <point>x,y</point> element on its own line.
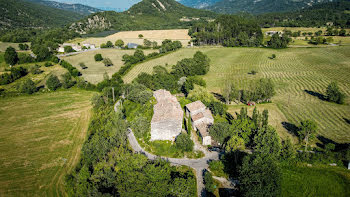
<point>201,119</point>
<point>167,118</point>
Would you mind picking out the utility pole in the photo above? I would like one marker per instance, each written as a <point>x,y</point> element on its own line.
<point>113,94</point>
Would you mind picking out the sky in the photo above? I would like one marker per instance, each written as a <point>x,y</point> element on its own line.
<point>116,4</point>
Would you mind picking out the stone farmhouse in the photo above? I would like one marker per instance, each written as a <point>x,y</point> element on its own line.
<point>201,119</point>
<point>167,118</point>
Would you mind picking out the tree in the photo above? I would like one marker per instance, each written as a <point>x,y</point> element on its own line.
<point>67,81</point>
<point>220,132</point>
<point>109,44</point>
<point>278,42</point>
<point>265,119</point>
<point>259,176</point>
<point>107,62</point>
<point>154,44</point>
<point>334,94</point>
<point>184,142</point>
<point>11,56</point>
<point>307,132</point>
<point>23,47</point>
<point>288,150</point>
<point>147,43</point>
<point>209,182</point>
<point>98,57</point>
<point>139,55</point>
<point>234,143</point>
<point>273,56</point>
<point>267,142</point>
<point>140,36</point>
<point>53,82</point>
<point>27,86</point>
<point>119,43</point>
<point>42,52</point>
<point>68,49</point>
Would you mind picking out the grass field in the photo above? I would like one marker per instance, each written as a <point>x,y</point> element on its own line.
<point>294,71</point>
<point>40,141</point>
<point>4,45</point>
<point>315,181</point>
<point>39,79</point>
<point>132,37</point>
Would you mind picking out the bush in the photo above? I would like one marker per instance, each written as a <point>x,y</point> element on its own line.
<point>209,182</point>
<point>82,65</point>
<point>53,83</point>
<point>72,70</point>
<point>119,43</point>
<point>138,93</point>
<point>23,47</point>
<point>107,62</point>
<point>35,69</point>
<point>15,74</point>
<point>48,64</point>
<point>27,86</point>
<point>98,57</point>
<point>68,49</point>
<point>55,59</point>
<point>184,142</point>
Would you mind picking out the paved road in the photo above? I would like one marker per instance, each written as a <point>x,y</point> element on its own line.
<point>198,164</point>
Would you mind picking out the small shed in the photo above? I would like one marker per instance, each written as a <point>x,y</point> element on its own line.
<point>132,45</point>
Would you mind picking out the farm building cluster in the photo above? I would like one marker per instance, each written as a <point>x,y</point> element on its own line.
<point>75,47</point>
<point>168,117</point>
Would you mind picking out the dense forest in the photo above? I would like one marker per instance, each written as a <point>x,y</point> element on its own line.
<point>333,13</point>
<point>22,14</point>
<point>228,30</point>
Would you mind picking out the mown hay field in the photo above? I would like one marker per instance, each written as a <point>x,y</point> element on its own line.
<point>95,70</point>
<point>40,141</point>
<point>298,73</point>
<point>133,37</point>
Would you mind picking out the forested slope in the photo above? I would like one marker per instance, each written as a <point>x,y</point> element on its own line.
<point>22,14</point>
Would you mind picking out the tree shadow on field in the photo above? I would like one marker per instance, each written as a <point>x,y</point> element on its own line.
<point>338,146</point>
<point>291,128</point>
<point>346,120</point>
<point>219,97</point>
<point>316,94</point>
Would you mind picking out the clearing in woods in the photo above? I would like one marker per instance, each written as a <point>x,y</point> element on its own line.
<point>133,37</point>
<point>95,70</point>
<point>300,74</point>
<point>41,139</point>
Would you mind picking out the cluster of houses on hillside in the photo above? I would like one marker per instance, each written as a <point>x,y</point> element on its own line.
<point>168,117</point>
<point>75,47</point>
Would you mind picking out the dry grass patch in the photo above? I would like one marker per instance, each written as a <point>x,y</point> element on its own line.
<point>132,36</point>
<point>38,145</point>
<point>94,72</point>
<point>4,45</point>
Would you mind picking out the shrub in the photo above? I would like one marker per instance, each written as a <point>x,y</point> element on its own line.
<point>27,86</point>
<point>55,59</point>
<point>98,57</point>
<point>209,182</point>
<point>15,74</point>
<point>69,49</point>
<point>53,83</point>
<point>48,64</point>
<point>25,58</point>
<point>107,62</point>
<point>72,70</point>
<point>35,69</point>
<point>184,142</point>
<point>82,65</point>
<point>140,36</point>
<point>119,43</point>
<point>23,47</point>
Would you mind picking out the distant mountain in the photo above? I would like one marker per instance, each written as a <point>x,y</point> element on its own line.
<point>198,3</point>
<point>147,14</point>
<point>78,8</point>
<point>332,13</point>
<point>24,14</point>
<point>261,6</point>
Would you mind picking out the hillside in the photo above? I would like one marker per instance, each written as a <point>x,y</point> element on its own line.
<point>78,8</point>
<point>198,3</point>
<point>147,14</point>
<point>261,6</point>
<point>22,14</point>
<point>315,16</point>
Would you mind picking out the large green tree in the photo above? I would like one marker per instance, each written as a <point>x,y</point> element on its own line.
<point>53,82</point>
<point>334,94</point>
<point>11,56</point>
<point>307,131</point>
